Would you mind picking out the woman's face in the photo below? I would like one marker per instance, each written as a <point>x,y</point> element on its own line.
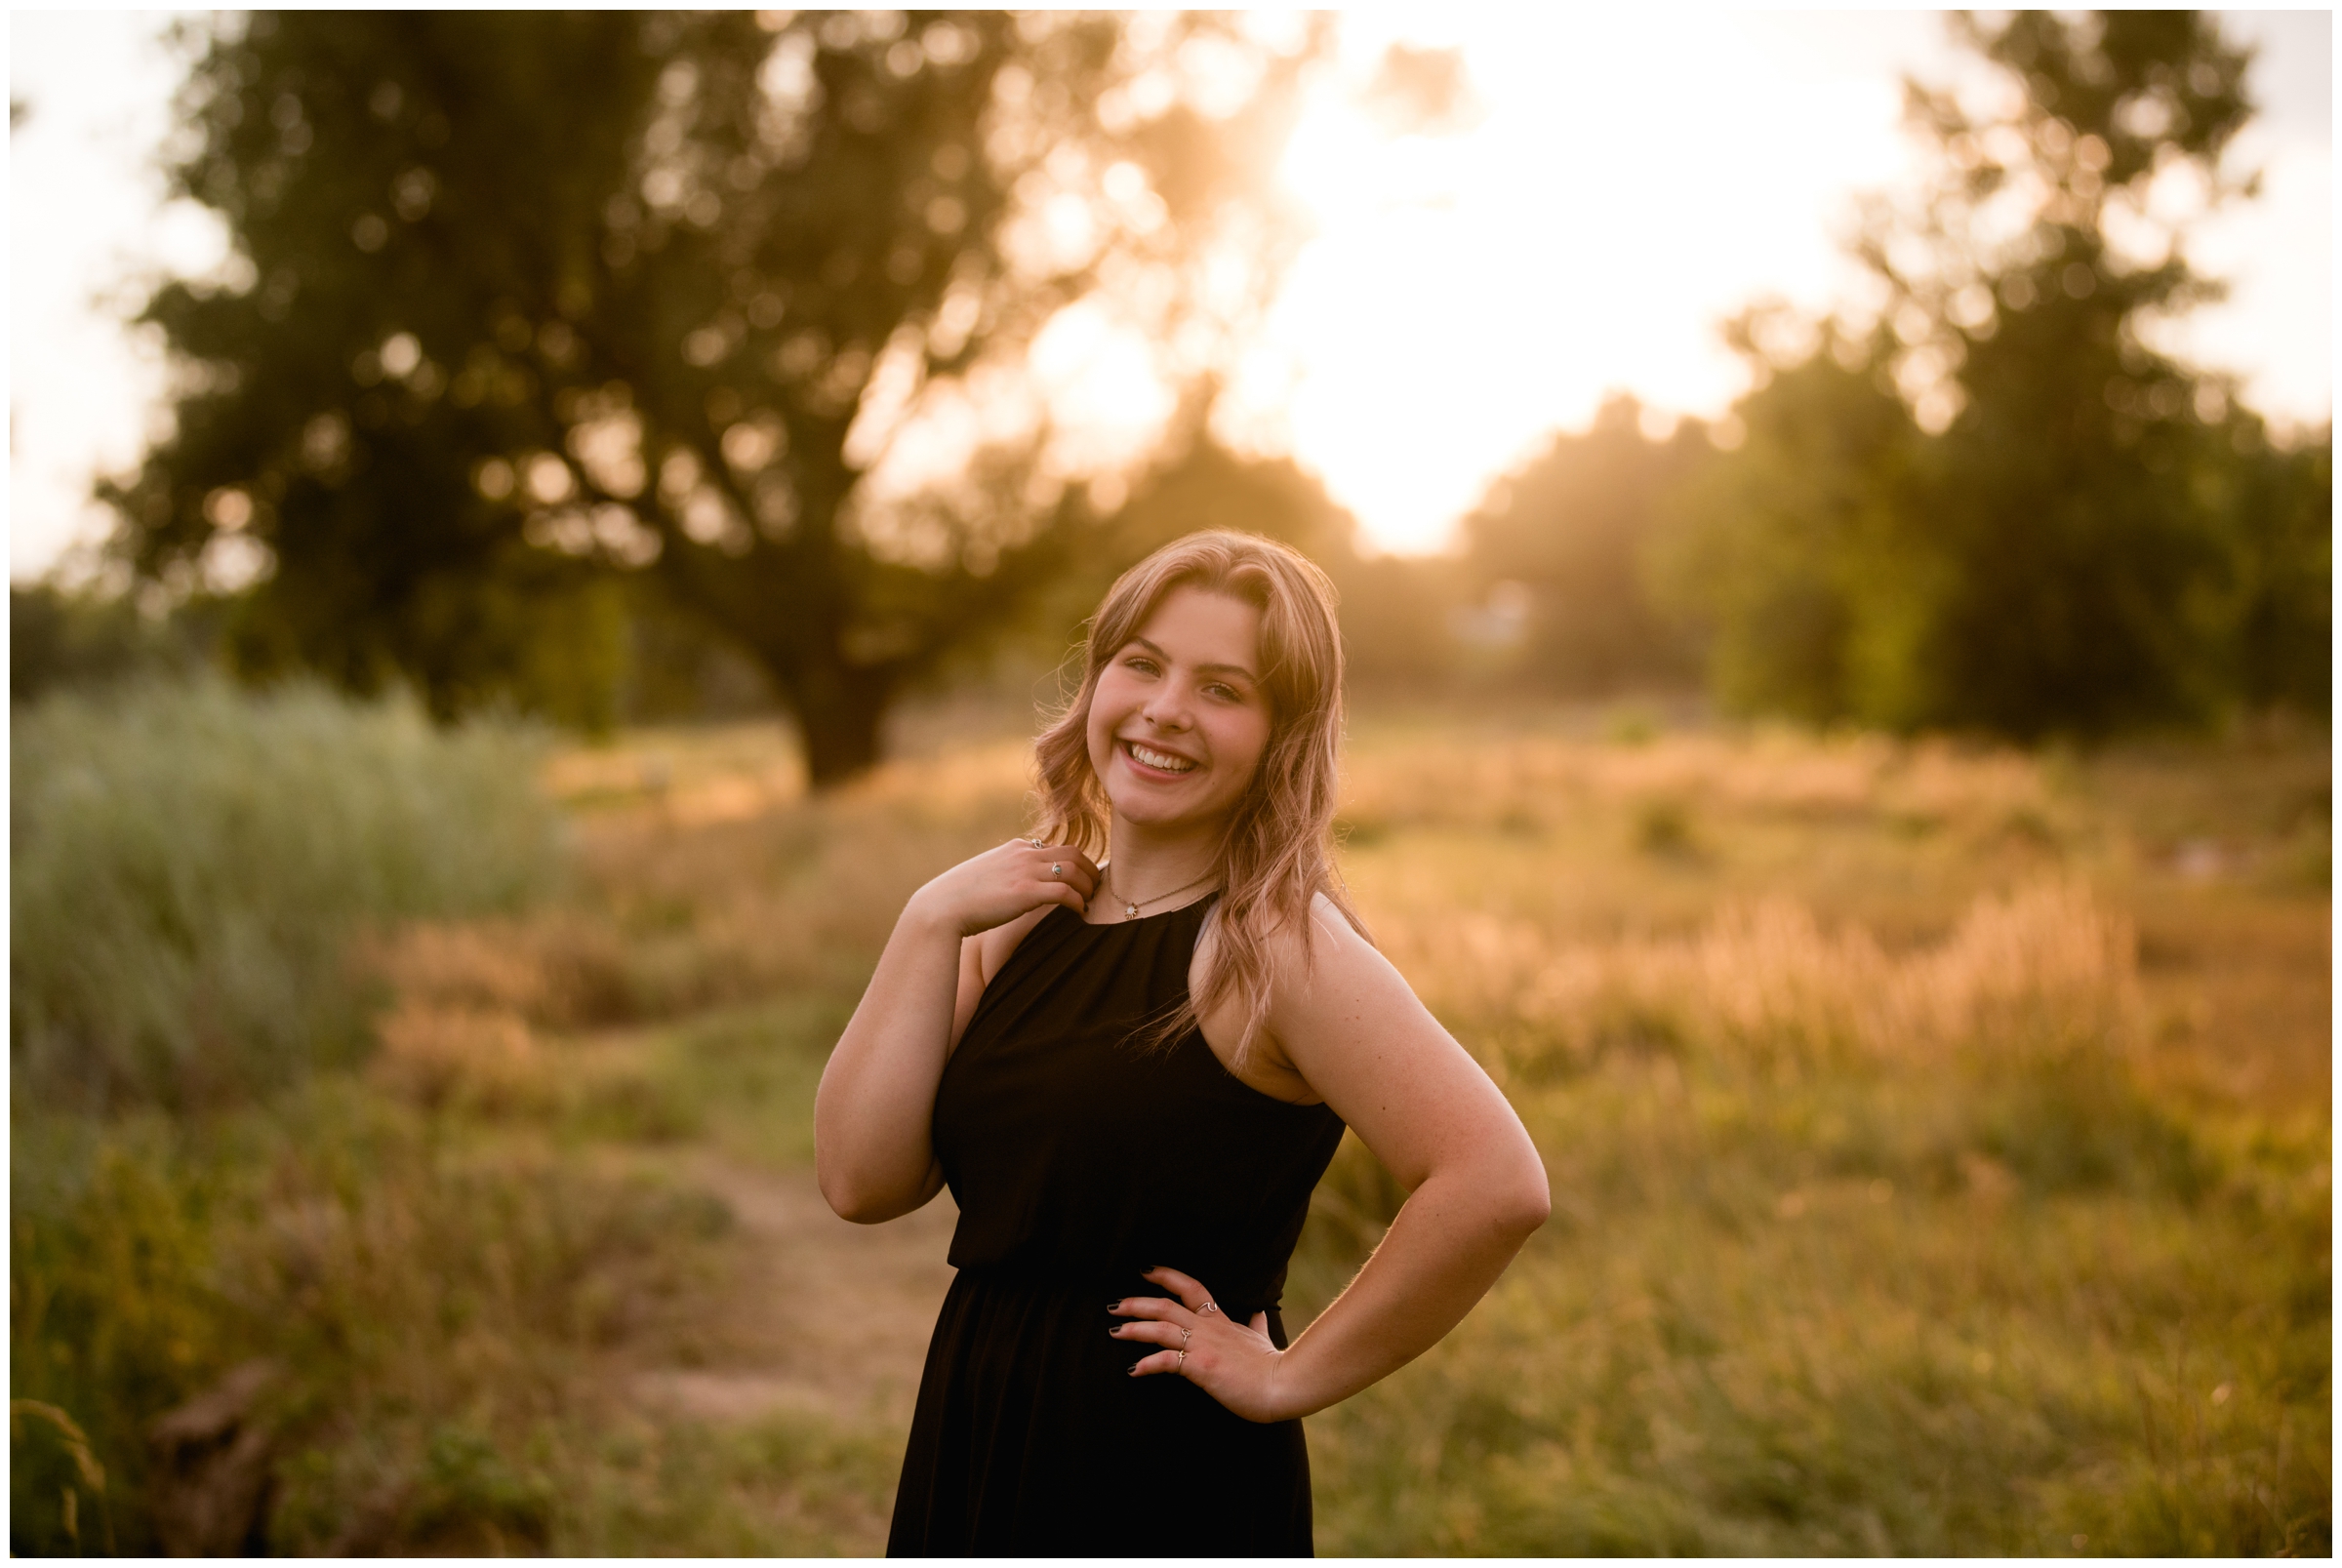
<point>1179,717</point>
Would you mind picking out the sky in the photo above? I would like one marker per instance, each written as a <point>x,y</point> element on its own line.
<point>1464,295</point>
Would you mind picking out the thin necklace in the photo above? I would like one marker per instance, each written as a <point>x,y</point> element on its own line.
<point>1130,910</point>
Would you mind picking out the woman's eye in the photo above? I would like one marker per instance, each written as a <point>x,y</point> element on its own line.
<point>1226,693</point>
<point>1145,667</point>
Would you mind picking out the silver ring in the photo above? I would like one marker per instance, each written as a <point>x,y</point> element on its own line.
<point>1206,1308</point>
<point>1184,1335</point>
<point>1057,867</point>
<point>1183,1362</point>
<point>1035,843</point>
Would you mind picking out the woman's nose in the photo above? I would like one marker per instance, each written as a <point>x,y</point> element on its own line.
<point>1167,709</point>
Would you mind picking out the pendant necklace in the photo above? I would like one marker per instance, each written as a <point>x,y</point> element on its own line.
<point>1130,908</point>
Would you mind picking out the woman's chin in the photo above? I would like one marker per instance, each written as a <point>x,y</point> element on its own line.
<point>1158,811</point>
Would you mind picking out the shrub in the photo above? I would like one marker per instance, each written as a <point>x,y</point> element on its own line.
<point>422,1308</point>
<point>190,864</point>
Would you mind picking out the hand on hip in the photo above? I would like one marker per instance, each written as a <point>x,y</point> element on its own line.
<point>1235,1363</point>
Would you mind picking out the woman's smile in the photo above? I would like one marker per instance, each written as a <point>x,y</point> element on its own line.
<point>1151,759</point>
<point>1179,717</point>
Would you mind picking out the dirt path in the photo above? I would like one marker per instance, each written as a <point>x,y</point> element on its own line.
<point>824,1316</point>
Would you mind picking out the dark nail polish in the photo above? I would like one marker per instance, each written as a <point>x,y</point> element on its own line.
<point>1113,1305</point>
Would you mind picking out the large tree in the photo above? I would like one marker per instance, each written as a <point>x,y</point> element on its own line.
<point>738,300</point>
<point>2003,505</point>
<point>2062,548</point>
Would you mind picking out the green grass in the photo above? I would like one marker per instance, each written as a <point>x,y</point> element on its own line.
<point>406,1283</point>
<point>1778,1322</point>
<point>190,865</point>
<point>787,1486</point>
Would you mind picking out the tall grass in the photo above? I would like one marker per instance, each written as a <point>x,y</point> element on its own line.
<point>191,862</point>
<point>1856,1249</point>
<point>427,1309</point>
<point>1883,1222</point>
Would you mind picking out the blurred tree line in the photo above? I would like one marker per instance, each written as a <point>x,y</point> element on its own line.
<point>2000,507</point>
<point>2004,508</point>
<point>569,346</point>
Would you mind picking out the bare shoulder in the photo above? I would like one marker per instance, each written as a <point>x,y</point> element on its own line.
<point>1340,1008</point>
<point>1326,959</point>
<point>1328,989</point>
<point>1297,954</point>
<point>1351,1025</point>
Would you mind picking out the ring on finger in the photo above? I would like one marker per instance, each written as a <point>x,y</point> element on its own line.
<point>1184,1335</point>
<point>1037,843</point>
<point>1057,867</point>
<point>1183,1362</point>
<point>1207,1309</point>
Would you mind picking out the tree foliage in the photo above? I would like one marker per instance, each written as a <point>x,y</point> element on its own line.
<point>2077,533</point>
<point>1790,549</point>
<point>531,298</point>
<point>62,640</point>
<point>2065,542</point>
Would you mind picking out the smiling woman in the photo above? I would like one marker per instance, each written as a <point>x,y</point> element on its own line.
<point>1180,737</point>
<point>1133,1107</point>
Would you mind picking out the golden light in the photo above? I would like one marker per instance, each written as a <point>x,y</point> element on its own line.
<point>1631,181</point>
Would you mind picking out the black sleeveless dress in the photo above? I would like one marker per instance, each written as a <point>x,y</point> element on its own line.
<point>1078,1163</point>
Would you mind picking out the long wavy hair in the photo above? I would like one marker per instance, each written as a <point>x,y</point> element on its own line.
<point>1277,854</point>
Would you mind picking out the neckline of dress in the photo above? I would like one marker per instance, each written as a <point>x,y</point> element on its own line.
<point>1159,914</point>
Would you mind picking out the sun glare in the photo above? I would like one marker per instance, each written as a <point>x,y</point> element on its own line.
<point>1468,291</point>
<point>1602,191</point>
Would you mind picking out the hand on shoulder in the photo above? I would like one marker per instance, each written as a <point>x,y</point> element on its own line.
<point>996,887</point>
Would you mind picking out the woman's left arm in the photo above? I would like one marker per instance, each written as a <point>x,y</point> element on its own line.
<point>1475,1191</point>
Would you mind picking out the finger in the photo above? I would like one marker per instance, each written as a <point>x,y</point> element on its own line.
<point>1190,1291</point>
<point>1071,864</point>
<point>1170,1336</point>
<point>1155,1307</point>
<point>1259,1323</point>
<point>1067,866</point>
<point>1062,893</point>
<point>1161,1362</point>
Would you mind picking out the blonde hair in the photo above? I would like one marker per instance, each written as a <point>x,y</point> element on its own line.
<point>1277,854</point>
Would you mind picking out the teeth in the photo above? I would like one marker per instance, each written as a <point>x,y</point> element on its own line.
<point>1159,759</point>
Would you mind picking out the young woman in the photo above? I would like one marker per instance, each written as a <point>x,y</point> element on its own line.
<point>1129,1045</point>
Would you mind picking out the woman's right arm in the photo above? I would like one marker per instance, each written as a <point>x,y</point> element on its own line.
<point>872,1118</point>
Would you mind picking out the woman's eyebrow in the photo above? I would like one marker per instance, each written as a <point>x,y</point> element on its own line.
<point>1231,670</point>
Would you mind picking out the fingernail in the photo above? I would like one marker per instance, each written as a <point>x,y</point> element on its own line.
<point>1114,1305</point>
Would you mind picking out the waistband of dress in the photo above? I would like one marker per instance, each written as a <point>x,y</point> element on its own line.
<point>1104,1284</point>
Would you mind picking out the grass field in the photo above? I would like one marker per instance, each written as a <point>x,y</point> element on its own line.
<point>1939,1137</point>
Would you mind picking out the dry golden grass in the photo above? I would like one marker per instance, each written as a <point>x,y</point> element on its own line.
<point>1884,1179</point>
<point>1938,1135</point>
<point>1924,1180</point>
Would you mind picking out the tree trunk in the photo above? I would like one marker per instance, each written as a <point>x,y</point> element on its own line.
<point>838,717</point>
